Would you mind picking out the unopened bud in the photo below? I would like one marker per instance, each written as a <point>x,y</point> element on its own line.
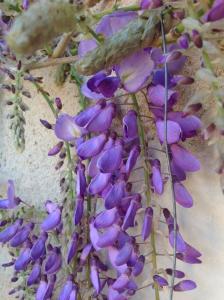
<point>58,103</point>
<point>196,38</point>
<point>46,124</point>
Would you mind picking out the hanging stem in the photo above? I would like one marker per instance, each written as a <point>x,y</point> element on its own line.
<point>168,161</point>
<point>147,183</point>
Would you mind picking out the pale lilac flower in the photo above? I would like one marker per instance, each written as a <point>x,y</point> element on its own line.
<point>156,95</point>
<point>94,275</point>
<point>182,196</point>
<point>79,209</point>
<point>12,201</point>
<point>66,289</point>
<point>65,128</point>
<point>109,237</point>
<point>156,177</point>
<point>173,131</point>
<point>86,46</point>
<point>114,195</point>
<point>184,159</point>
<point>135,70</point>
<point>124,254</point>
<point>53,219</point>
<point>150,4</point>
<point>184,285</point>
<point>24,258</point>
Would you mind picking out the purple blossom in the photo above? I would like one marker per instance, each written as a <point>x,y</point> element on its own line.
<point>56,149</point>
<point>182,196</point>
<point>150,4</point>
<point>53,261</point>
<point>156,95</point>
<point>92,146</point>
<point>73,247</point>
<point>42,289</point>
<point>139,265</point>
<point>161,281</point>
<point>94,275</point>
<point>81,183</point>
<point>106,218</point>
<point>9,232</point>
<point>99,183</point>
<point>124,254</point>
<point>177,273</point>
<point>184,285</point>
<point>156,177</point>
<point>184,159</point>
<point>147,223</point>
<point>35,274</point>
<point>89,94</point>
<point>39,248</point>
<point>66,289</point>
<point>135,70</point>
<point>12,201</point>
<point>130,127</point>
<point>173,131</point>
<point>109,237</point>
<point>114,194</point>
<point>22,235</point>
<point>65,128</point>
<point>53,219</point>
<point>86,46</point>
<point>216,12</point>
<point>79,209</point>
<point>121,283</point>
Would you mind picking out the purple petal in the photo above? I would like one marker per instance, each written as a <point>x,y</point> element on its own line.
<point>180,244</point>
<point>74,294</point>
<point>132,159</point>
<point>92,166</point>
<point>177,171</point>
<point>22,235</point>
<point>149,4</point>
<point>94,275</point>
<point>184,159</point>
<point>80,180</point>
<point>111,24</point>
<point>9,232</point>
<point>124,254</point>
<point>106,218</point>
<point>92,146</point>
<point>147,223</point>
<point>112,253</point>
<point>52,220</point>
<point>99,183</point>
<point>38,248</point>
<point>115,295</point>
<point>182,196</point>
<point>109,237</point>
<point>56,149</point>
<point>110,160</point>
<point>156,95</point>
<point>79,209</point>
<point>216,12</point>
<point>34,275</point>
<point>108,86</point>
<point>192,251</point>
<point>115,194</point>
<point>11,191</point>
<point>73,247</point>
<point>65,128</point>
<point>130,214</point>
<point>41,290</point>
<point>89,94</point>
<point>160,280</point>
<point>50,206</point>
<point>138,267</point>
<point>173,131</point>
<point>85,116</point>
<point>86,46</point>
<point>188,259</point>
<point>66,290</point>
<point>103,120</point>
<point>157,180</point>
<point>121,283</point>
<point>184,285</point>
<point>53,262</point>
<point>22,260</point>
<point>135,70</point>
<point>177,274</point>
<point>94,236</point>
<point>85,253</point>
<point>130,126</point>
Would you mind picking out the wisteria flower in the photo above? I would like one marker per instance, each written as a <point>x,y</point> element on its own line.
<point>11,201</point>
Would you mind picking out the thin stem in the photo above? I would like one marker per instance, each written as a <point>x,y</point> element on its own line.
<point>50,62</point>
<point>147,183</point>
<point>168,161</point>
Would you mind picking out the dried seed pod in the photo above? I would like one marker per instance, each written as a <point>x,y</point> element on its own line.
<point>38,25</point>
<point>138,34</point>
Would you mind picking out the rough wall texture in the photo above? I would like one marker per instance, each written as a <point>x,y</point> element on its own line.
<point>36,180</point>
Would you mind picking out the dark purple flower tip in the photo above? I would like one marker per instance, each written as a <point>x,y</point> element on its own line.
<point>109,237</point>
<point>182,196</point>
<point>180,243</point>
<point>99,183</point>
<point>216,12</point>
<point>106,218</point>
<point>66,290</point>
<point>85,253</point>
<point>54,261</point>
<point>56,149</point>
<point>46,124</point>
<point>81,183</point>
<point>129,219</point>
<point>92,146</point>
<point>156,95</point>
<point>102,84</point>
<point>173,131</point>
<point>35,274</point>
<point>150,4</point>
<point>184,159</point>
<point>22,235</point>
<point>124,254</point>
<point>177,172</point>
<point>161,281</point>
<point>52,220</point>
<point>58,103</point>
<point>135,70</point>
<point>138,267</point>
<point>79,209</point>
<point>110,159</point>
<point>66,129</point>
<point>196,38</point>
<point>73,247</point>
<point>157,180</point>
<point>9,232</point>
<point>94,275</point>
<point>38,248</point>
<point>111,24</point>
<point>115,194</point>
<point>147,223</point>
<point>177,274</point>
<point>188,259</point>
<point>184,285</point>
<point>23,260</point>
<point>183,41</point>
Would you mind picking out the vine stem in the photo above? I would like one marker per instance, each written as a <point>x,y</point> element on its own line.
<point>168,161</point>
<point>147,183</point>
